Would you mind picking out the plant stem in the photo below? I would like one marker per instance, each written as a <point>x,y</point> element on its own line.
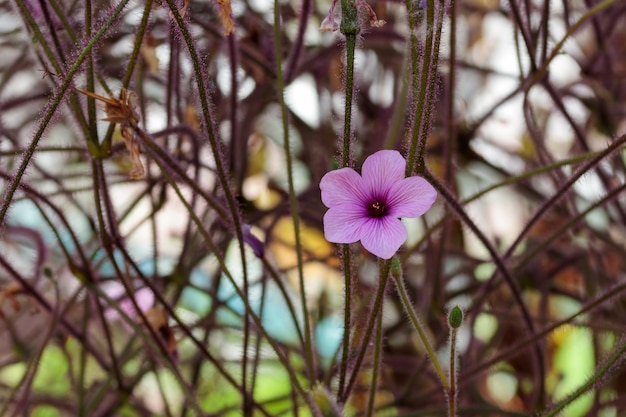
<point>378,344</point>
<point>350,29</point>
<point>52,107</point>
<point>376,307</point>
<point>422,102</point>
<point>308,339</point>
<point>417,325</point>
<point>452,389</point>
<point>455,319</point>
<point>347,313</point>
<point>611,364</point>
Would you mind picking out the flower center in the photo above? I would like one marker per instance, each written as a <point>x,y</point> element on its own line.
<point>376,209</point>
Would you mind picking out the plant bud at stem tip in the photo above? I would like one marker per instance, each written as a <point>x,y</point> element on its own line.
<point>455,318</point>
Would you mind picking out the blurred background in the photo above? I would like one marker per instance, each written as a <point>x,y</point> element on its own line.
<point>121,294</point>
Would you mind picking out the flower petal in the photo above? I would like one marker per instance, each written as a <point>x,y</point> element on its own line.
<point>381,170</point>
<point>341,186</point>
<point>383,236</point>
<point>411,197</point>
<point>343,223</point>
<point>329,24</point>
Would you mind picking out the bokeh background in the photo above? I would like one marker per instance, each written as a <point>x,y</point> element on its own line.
<point>119,295</point>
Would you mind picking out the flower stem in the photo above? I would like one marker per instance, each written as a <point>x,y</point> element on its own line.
<point>346,320</point>
<point>455,318</point>
<point>452,375</point>
<point>378,344</point>
<point>417,325</point>
<point>350,28</point>
<point>308,342</point>
<point>376,307</point>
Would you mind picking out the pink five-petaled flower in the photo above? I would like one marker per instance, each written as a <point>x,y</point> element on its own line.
<point>367,207</point>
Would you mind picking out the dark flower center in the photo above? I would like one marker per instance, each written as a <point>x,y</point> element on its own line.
<point>376,209</point>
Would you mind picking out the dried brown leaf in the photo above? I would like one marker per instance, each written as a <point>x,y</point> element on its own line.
<point>225,13</point>
<point>123,112</point>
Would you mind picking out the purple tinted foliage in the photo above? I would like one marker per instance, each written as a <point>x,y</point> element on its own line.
<point>520,135</point>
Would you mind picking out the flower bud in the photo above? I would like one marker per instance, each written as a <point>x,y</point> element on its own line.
<point>455,318</point>
<point>329,24</point>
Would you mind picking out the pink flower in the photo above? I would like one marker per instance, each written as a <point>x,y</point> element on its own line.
<point>367,207</point>
<point>329,24</point>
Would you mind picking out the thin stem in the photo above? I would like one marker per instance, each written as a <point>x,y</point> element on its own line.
<point>423,91</point>
<point>52,107</point>
<point>541,72</point>
<point>501,267</point>
<point>611,364</point>
<point>63,18</point>
<point>44,304</point>
<point>376,307</point>
<point>451,143</point>
<point>152,341</point>
<point>417,325</point>
<point>350,28</point>
<point>400,103</point>
<point>541,247</point>
<point>141,31</point>
<point>257,321</point>
<point>347,319</point>
<point>525,31</point>
<point>83,360</point>
<point>237,142</point>
<point>426,120</point>
<point>417,101</point>
<point>296,49</point>
<point>599,156</point>
<point>165,161</point>
<point>378,344</point>
<point>308,339</point>
<point>209,125</point>
<point>214,142</point>
<point>514,349</point>
<point>452,395</point>
<point>91,102</point>
<point>25,384</point>
<point>39,37</point>
<point>283,290</point>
